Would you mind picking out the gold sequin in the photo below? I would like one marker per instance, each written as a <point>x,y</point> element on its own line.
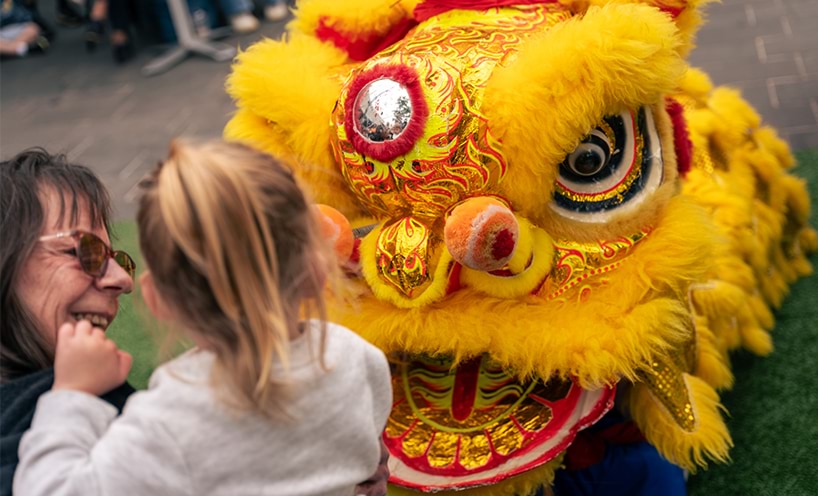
<point>665,381</point>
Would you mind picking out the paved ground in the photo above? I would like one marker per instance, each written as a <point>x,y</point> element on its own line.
<point>119,122</point>
<point>768,49</point>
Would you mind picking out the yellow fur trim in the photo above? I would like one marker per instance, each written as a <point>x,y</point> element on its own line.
<point>597,343</point>
<point>520,485</point>
<point>689,450</point>
<point>688,20</point>
<point>696,85</point>
<point>712,365</point>
<point>756,205</point>
<point>754,337</point>
<point>798,198</point>
<point>762,312</point>
<point>802,266</point>
<point>808,239</point>
<point>717,298</point>
<point>256,131</point>
<point>284,108</point>
<point>526,247</point>
<point>355,18</point>
<point>386,292</point>
<point>767,137</point>
<point>580,70</point>
<point>524,282</point>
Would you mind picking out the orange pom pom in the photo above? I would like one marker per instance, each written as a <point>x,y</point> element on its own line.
<point>482,233</point>
<point>336,228</point>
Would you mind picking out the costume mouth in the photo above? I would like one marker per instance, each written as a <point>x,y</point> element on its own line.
<point>97,319</point>
<point>473,424</point>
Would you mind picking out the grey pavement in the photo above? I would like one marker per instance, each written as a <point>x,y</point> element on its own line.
<point>118,122</point>
<point>769,50</point>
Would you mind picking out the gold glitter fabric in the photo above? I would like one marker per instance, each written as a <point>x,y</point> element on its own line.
<point>664,378</point>
<point>582,267</point>
<point>456,157</point>
<point>473,417</point>
<point>402,255</point>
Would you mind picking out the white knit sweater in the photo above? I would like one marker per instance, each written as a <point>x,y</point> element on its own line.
<point>176,438</point>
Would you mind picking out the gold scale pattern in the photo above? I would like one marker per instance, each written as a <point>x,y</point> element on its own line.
<point>431,423</point>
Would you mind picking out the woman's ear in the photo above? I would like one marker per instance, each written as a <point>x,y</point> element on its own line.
<point>155,303</point>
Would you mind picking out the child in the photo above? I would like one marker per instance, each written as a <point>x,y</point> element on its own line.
<point>267,403</point>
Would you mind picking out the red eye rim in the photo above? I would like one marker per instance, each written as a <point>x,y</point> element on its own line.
<point>387,150</point>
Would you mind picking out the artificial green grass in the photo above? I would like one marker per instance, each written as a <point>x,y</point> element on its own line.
<point>773,408</point>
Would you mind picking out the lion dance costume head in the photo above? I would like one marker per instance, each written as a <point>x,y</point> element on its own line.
<point>551,212</point>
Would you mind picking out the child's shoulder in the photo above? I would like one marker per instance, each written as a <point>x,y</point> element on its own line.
<point>186,377</point>
<point>343,343</point>
<point>343,337</point>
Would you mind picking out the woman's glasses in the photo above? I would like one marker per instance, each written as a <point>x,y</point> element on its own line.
<point>94,254</point>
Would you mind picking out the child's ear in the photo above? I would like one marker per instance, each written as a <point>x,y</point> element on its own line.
<point>152,299</point>
<point>318,266</point>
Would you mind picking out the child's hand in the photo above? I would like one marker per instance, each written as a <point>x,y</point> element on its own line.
<point>86,360</point>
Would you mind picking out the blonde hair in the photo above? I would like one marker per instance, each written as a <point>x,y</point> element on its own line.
<point>232,244</point>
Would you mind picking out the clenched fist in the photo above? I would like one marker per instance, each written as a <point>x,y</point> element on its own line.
<point>86,360</point>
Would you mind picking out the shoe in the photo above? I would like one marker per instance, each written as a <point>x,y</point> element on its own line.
<point>123,52</point>
<point>244,23</point>
<point>93,35</point>
<point>276,12</point>
<point>40,45</point>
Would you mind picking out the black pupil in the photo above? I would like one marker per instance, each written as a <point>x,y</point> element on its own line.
<point>588,162</point>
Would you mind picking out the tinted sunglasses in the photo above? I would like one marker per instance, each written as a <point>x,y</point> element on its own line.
<point>94,254</point>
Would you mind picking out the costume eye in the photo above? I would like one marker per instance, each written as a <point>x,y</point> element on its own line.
<point>385,111</point>
<point>591,155</point>
<point>619,162</point>
<point>382,110</point>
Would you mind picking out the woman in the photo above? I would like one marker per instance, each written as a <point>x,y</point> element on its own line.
<point>56,266</point>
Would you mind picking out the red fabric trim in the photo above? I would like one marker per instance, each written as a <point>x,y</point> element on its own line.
<point>681,136</point>
<point>454,278</point>
<point>365,45</point>
<point>673,11</point>
<point>387,150</point>
<point>431,8</point>
<point>586,450</point>
<point>622,433</point>
<point>355,257</point>
<point>589,447</point>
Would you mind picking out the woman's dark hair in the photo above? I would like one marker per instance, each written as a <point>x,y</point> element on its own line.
<point>22,180</point>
